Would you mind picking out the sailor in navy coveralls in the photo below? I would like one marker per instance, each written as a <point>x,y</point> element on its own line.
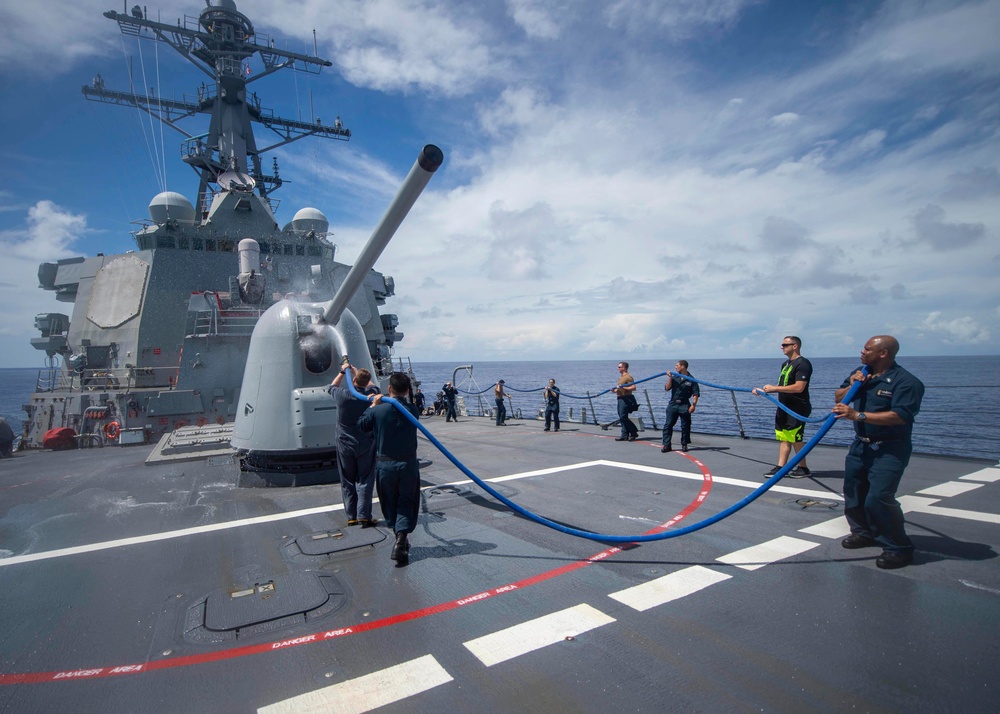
<point>883,413</point>
<point>684,396</point>
<point>397,474</point>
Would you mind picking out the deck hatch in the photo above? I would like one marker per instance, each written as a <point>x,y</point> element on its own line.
<point>336,541</point>
<point>284,595</point>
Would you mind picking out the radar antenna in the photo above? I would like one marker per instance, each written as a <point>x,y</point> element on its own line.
<point>220,42</point>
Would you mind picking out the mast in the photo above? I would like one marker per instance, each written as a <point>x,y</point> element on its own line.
<point>220,42</point>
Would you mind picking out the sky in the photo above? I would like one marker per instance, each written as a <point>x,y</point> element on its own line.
<point>629,179</point>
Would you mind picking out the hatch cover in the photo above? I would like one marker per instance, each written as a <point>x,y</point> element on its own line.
<point>335,541</point>
<point>281,596</point>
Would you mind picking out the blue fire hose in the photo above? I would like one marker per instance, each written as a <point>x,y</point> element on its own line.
<point>828,423</point>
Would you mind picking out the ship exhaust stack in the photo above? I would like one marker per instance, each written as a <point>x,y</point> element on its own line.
<point>286,421</point>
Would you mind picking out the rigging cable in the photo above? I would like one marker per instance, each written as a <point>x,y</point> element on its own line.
<point>138,110</point>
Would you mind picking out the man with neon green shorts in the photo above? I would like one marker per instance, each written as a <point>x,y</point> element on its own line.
<point>793,392</point>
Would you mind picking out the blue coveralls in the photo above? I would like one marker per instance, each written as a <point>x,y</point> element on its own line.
<point>552,408</point>
<point>681,391</point>
<point>355,454</point>
<point>396,468</point>
<point>876,460</point>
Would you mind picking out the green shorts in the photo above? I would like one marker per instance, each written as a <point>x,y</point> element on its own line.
<point>794,435</point>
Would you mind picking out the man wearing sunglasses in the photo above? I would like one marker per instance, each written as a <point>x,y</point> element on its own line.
<point>793,392</point>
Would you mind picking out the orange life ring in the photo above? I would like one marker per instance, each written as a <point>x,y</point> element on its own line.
<point>112,429</point>
<point>179,423</point>
<point>201,421</point>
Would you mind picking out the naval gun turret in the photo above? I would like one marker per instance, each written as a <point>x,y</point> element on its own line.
<point>286,421</point>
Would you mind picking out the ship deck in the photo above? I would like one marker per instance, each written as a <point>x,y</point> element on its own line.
<point>119,582</point>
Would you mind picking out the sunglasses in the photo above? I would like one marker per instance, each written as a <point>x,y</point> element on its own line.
<point>788,344</point>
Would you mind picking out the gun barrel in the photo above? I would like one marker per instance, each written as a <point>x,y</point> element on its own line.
<point>430,158</point>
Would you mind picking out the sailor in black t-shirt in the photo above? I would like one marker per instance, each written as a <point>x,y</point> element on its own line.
<point>793,392</point>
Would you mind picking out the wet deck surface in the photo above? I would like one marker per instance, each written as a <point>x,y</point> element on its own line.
<point>111,566</point>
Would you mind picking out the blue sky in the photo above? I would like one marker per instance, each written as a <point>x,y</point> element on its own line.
<point>625,179</point>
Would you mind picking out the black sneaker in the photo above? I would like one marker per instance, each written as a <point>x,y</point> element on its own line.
<point>799,472</point>
<point>665,449</point>
<point>684,448</point>
<point>773,471</point>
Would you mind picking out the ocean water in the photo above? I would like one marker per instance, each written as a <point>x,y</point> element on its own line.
<point>960,415</point>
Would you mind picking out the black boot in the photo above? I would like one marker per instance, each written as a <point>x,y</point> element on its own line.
<point>400,549</point>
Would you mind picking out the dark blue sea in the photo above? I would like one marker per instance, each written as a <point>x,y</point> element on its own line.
<point>960,414</point>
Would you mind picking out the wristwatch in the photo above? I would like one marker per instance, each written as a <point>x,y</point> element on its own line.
<point>861,416</point>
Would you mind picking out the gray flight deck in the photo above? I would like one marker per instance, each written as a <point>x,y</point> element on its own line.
<point>166,587</point>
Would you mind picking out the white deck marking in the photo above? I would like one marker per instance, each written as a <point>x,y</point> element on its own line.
<point>917,504</point>
<point>535,634</point>
<point>670,587</point>
<point>990,475</point>
<point>794,490</point>
<point>757,556</point>
<point>369,692</point>
<point>184,532</point>
<point>166,535</point>
<point>951,488</point>
<point>834,528</point>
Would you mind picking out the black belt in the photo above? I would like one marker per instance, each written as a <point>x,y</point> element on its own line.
<point>382,458</point>
<point>874,443</point>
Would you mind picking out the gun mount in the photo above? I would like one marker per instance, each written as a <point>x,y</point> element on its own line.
<point>286,424</point>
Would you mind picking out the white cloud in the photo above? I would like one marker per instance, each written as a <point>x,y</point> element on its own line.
<point>535,18</point>
<point>785,119</point>
<point>960,330</point>
<point>48,234</point>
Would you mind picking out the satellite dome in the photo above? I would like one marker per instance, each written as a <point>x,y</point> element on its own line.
<point>310,219</point>
<point>171,205</point>
<point>225,4</point>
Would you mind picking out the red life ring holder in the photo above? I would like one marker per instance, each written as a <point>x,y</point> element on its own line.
<point>112,429</point>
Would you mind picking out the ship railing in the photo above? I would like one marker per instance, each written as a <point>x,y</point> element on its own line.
<point>118,379</point>
<point>228,323</point>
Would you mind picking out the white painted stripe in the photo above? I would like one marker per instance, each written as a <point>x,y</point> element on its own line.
<point>743,483</point>
<point>834,528</point>
<point>535,634</point>
<point>668,588</point>
<point>369,692</point>
<point>166,535</point>
<point>757,556</point>
<point>211,528</point>
<point>952,488</point>
<point>990,475</point>
<point>918,504</point>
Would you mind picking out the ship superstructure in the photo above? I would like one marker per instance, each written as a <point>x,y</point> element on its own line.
<point>158,336</point>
